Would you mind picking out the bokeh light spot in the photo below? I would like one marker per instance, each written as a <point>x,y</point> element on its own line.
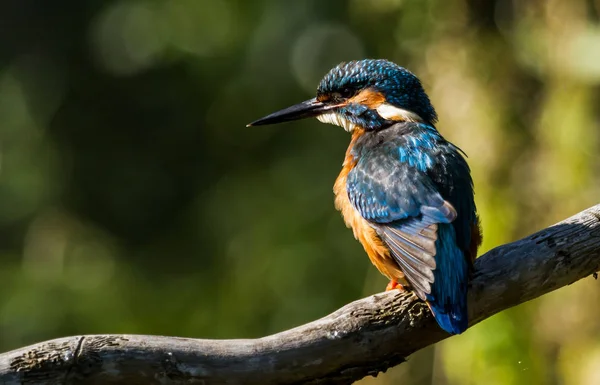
<point>198,27</point>
<point>583,55</point>
<point>319,48</point>
<point>127,37</point>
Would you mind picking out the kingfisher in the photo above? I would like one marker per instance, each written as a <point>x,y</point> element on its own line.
<point>404,190</point>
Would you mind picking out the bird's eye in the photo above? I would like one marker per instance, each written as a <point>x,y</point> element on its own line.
<point>345,93</point>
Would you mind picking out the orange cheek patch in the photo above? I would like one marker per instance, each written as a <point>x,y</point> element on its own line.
<point>323,97</point>
<point>369,98</point>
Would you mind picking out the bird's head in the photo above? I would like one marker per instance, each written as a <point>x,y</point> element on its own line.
<point>370,94</point>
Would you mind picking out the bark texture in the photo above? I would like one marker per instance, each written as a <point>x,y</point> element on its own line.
<point>362,338</point>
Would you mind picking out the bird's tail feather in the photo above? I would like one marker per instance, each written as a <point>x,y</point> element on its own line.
<point>452,322</point>
<point>448,298</point>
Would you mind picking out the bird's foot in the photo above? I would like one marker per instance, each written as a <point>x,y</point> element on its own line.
<point>394,285</point>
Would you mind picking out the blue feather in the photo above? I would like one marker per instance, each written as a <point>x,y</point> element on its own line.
<point>400,87</point>
<point>448,298</point>
<point>416,191</point>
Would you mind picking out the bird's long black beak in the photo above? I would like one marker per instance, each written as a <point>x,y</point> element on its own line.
<point>307,109</point>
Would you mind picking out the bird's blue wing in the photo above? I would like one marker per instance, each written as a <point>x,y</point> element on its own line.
<point>404,206</point>
<point>414,188</point>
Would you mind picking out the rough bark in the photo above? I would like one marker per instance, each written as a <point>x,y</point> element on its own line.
<point>360,339</point>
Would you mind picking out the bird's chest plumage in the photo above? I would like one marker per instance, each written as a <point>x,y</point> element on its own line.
<point>363,231</point>
<point>377,251</point>
<point>394,173</point>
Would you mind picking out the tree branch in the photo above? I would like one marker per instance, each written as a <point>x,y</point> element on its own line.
<point>360,339</point>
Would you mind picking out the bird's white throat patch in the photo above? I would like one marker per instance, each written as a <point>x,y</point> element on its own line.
<point>338,120</point>
<point>385,110</point>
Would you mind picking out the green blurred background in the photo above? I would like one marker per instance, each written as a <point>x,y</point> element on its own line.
<point>133,199</point>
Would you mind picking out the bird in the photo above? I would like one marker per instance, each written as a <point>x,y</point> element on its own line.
<point>404,190</point>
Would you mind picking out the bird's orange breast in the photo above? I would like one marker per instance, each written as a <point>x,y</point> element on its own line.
<point>377,251</point>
